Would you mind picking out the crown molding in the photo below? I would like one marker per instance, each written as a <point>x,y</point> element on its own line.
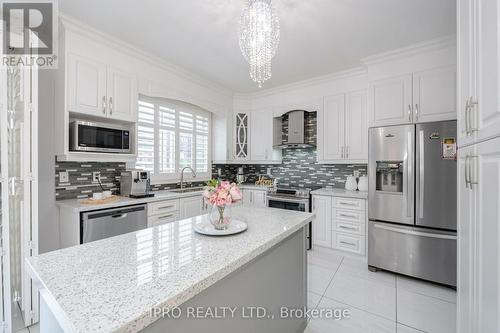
<point>81,28</point>
<point>418,48</point>
<point>353,72</point>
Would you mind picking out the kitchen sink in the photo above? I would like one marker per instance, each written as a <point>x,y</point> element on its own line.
<point>187,190</point>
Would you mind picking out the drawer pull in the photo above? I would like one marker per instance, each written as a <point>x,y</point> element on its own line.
<point>165,216</point>
<point>348,203</point>
<point>347,243</point>
<point>165,207</point>
<point>349,215</point>
<point>348,228</point>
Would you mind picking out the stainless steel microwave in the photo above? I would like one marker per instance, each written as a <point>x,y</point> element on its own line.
<point>98,137</point>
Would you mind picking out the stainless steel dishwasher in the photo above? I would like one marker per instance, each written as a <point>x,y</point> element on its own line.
<point>106,223</point>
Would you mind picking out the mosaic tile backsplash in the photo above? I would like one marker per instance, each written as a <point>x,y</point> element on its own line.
<point>299,169</point>
<point>80,183</point>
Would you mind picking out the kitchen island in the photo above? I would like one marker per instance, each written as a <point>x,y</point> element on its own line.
<point>168,278</point>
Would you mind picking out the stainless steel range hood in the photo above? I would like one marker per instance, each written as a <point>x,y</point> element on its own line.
<point>292,131</point>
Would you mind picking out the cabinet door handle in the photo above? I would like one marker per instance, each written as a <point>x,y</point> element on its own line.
<point>409,113</point>
<point>473,173</point>
<point>104,104</point>
<point>342,152</point>
<point>111,105</point>
<point>416,111</point>
<point>472,103</point>
<point>466,171</point>
<point>466,118</point>
<point>347,151</point>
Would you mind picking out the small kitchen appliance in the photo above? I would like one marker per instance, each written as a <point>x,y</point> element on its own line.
<point>86,136</point>
<point>240,176</point>
<point>135,184</point>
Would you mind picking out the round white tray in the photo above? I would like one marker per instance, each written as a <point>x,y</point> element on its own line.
<point>206,228</point>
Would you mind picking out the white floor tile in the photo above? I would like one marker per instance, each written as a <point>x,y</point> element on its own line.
<point>426,313</point>
<point>318,278</point>
<point>359,267</point>
<point>366,294</point>
<point>358,322</point>
<point>313,300</point>
<point>427,289</point>
<point>324,259</point>
<point>406,329</point>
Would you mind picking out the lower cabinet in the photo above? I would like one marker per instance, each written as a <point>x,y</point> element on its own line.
<point>167,211</point>
<point>254,197</point>
<point>340,223</point>
<point>162,212</point>
<point>192,206</point>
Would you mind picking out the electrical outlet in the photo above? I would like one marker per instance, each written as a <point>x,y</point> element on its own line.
<point>63,176</point>
<point>269,172</point>
<point>96,176</point>
<point>356,173</point>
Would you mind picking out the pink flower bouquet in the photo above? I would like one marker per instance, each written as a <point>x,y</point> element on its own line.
<point>220,195</point>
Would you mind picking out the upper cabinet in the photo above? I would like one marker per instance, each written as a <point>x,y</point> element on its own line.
<point>251,140</point>
<point>242,136</point>
<point>390,101</point>
<point>86,85</point>
<point>418,97</point>
<point>479,64</point>
<point>343,129</point>
<point>96,89</point>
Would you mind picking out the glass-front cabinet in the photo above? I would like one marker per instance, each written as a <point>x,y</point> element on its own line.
<point>18,188</point>
<point>241,138</point>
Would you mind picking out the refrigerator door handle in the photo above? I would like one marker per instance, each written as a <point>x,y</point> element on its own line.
<point>409,172</point>
<point>421,175</point>
<point>414,232</point>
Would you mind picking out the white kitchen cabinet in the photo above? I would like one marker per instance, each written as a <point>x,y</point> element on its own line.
<point>322,223</point>
<point>331,145</point>
<point>254,197</point>
<point>261,138</point>
<point>479,230</point>
<point>242,136</point>
<point>434,95</point>
<point>191,206</point>
<point>86,85</point>
<point>391,101</point>
<point>157,220</point>
<point>418,97</point>
<point>162,212</point>
<point>356,127</point>
<point>343,137</point>
<point>479,65</point>
<point>259,198</point>
<point>96,89</point>
<point>122,95</point>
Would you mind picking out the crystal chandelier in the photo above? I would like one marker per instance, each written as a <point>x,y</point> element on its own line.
<point>259,36</point>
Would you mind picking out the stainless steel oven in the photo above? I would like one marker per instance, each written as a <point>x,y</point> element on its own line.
<point>291,199</point>
<point>99,137</point>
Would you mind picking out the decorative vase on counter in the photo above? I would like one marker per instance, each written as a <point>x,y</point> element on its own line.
<point>220,217</point>
<point>221,195</point>
<point>351,183</point>
<point>363,183</point>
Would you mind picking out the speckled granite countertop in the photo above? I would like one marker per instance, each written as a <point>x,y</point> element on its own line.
<point>339,192</point>
<point>77,205</point>
<point>112,284</point>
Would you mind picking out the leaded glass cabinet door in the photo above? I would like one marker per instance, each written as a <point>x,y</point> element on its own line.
<point>4,198</point>
<point>241,149</point>
<point>19,133</point>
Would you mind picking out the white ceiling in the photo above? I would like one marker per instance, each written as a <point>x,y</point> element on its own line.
<point>317,36</point>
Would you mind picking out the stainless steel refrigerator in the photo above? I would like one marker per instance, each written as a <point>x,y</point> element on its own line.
<point>413,200</point>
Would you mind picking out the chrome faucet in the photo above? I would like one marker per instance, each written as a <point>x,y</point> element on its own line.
<point>182,175</point>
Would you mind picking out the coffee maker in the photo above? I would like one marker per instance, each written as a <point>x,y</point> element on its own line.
<point>135,184</point>
<point>240,176</point>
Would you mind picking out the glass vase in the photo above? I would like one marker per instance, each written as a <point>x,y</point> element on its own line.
<point>220,217</point>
